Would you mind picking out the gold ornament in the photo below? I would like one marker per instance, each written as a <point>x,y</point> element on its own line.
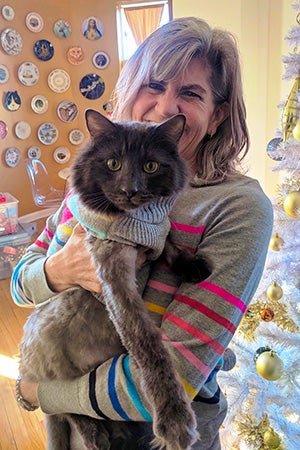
<point>274,291</point>
<point>296,131</point>
<point>291,111</point>
<point>271,439</point>
<point>291,204</point>
<point>269,366</point>
<point>276,242</point>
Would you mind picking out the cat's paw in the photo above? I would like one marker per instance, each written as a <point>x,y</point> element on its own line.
<point>175,428</point>
<point>191,268</point>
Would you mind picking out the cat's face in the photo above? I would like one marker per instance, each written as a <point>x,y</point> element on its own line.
<point>127,165</point>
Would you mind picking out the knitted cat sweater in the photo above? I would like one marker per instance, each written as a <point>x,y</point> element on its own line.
<point>230,225</point>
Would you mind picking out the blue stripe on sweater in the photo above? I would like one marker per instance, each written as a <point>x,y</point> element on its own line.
<point>132,391</point>
<point>16,289</point>
<point>112,390</point>
<point>92,395</point>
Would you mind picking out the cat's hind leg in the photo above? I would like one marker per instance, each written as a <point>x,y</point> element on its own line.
<point>58,433</point>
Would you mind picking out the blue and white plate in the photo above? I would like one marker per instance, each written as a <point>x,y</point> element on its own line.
<point>92,86</point>
<point>43,50</point>
<point>47,133</point>
<point>12,156</point>
<point>28,74</point>
<point>11,41</point>
<point>34,22</point>
<point>4,74</point>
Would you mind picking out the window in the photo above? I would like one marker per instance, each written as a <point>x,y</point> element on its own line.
<point>136,20</point>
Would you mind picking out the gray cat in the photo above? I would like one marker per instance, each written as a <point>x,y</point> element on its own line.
<point>128,172</point>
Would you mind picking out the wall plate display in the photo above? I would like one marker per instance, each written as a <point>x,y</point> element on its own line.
<point>76,137</point>
<point>59,80</point>
<point>92,86</point>
<point>62,28</point>
<point>47,133</point>
<point>11,41</point>
<point>67,111</point>
<point>92,28</point>
<point>61,155</point>
<point>12,100</point>
<point>34,152</point>
<point>101,60</point>
<point>43,50</point>
<point>8,12</point>
<point>22,129</point>
<point>34,22</point>
<point>39,104</point>
<point>3,130</point>
<point>12,156</point>
<point>28,74</point>
<point>75,55</point>
<point>4,74</point>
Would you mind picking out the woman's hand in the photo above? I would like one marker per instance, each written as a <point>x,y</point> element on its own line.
<point>72,265</point>
<point>29,392</point>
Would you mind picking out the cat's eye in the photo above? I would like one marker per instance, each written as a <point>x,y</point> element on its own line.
<point>151,167</point>
<point>114,164</point>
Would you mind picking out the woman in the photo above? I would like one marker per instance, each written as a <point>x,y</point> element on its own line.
<point>184,67</point>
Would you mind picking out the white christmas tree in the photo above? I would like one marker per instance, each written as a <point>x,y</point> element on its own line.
<point>263,388</point>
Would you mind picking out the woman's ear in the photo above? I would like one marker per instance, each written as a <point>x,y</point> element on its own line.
<point>220,114</point>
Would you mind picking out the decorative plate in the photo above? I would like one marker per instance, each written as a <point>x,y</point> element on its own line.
<point>3,130</point>
<point>12,156</point>
<point>12,100</point>
<point>76,137</point>
<point>28,74</point>
<point>101,60</point>
<point>34,152</point>
<point>92,28</point>
<point>61,155</point>
<point>22,129</point>
<point>8,12</point>
<point>62,28</point>
<point>47,133</point>
<point>59,80</point>
<point>43,50</point>
<point>34,22</point>
<point>4,74</point>
<point>39,104</point>
<point>92,86</point>
<point>67,111</point>
<point>75,55</point>
<point>11,41</point>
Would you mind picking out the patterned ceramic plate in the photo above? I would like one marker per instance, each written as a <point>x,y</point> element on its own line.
<point>39,104</point>
<point>101,60</point>
<point>92,86</point>
<point>47,133</point>
<point>59,80</point>
<point>34,152</point>
<point>4,74</point>
<point>8,12</point>
<point>75,55</point>
<point>11,41</point>
<point>92,28</point>
<point>43,50</point>
<point>28,74</point>
<point>76,137</point>
<point>12,156</point>
<point>34,22</point>
<point>62,28</point>
<point>22,129</point>
<point>67,111</point>
<point>61,155</point>
<point>3,130</point>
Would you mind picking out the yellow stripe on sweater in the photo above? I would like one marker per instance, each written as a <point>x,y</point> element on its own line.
<point>153,307</point>
<point>66,230</point>
<point>188,388</point>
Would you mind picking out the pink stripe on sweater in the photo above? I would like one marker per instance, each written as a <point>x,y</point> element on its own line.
<point>162,287</point>
<point>66,215</point>
<point>41,244</point>
<point>207,312</point>
<point>189,356</point>
<point>187,228</point>
<point>225,295</point>
<point>193,331</point>
<point>48,232</point>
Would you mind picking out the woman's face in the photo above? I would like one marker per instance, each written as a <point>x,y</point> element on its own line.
<point>190,95</point>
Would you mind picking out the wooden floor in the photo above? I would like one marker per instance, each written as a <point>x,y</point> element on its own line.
<point>18,429</point>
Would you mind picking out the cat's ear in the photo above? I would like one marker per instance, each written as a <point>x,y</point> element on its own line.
<point>173,127</point>
<point>97,124</point>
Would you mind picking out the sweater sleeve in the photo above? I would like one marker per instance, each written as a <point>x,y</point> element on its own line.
<point>197,320</point>
<point>28,282</point>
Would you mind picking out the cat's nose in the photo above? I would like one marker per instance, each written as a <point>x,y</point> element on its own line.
<point>129,192</point>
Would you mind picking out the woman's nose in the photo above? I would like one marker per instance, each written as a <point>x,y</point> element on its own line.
<point>167,105</point>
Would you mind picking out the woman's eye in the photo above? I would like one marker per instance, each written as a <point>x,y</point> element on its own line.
<point>114,164</point>
<point>151,167</point>
<point>155,86</point>
<point>191,94</point>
